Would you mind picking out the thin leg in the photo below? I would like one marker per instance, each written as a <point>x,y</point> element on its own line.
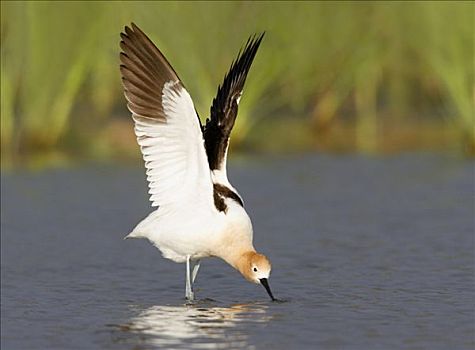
<point>195,271</point>
<point>188,289</point>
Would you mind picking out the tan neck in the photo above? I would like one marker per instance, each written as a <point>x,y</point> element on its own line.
<point>243,262</point>
<point>240,260</point>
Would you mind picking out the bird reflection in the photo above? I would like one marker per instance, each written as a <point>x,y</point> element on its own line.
<point>194,326</point>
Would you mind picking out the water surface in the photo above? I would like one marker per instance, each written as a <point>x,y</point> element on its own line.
<point>370,253</point>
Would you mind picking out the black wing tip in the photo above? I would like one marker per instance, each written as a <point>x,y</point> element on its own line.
<point>250,49</point>
<point>242,63</point>
<point>240,66</point>
<point>259,36</point>
<point>254,40</point>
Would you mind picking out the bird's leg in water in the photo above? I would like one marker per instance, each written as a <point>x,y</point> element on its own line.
<point>195,271</point>
<point>188,290</point>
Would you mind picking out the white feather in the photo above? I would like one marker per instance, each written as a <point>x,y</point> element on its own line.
<point>174,153</point>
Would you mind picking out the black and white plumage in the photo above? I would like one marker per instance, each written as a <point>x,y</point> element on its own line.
<point>225,106</point>
<point>200,214</point>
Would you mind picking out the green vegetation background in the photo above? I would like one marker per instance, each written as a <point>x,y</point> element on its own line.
<point>371,77</point>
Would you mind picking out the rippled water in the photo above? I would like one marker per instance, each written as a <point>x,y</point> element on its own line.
<point>369,253</point>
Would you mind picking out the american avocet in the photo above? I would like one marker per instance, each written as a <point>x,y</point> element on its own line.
<point>200,214</point>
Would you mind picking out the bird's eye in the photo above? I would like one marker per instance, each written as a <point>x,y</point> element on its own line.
<point>255,269</point>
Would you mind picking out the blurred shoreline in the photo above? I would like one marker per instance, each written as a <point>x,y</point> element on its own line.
<point>117,143</point>
<point>362,77</point>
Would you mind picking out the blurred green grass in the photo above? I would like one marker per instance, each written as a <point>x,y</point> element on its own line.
<point>342,75</point>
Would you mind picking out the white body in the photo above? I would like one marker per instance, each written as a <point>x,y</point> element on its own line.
<point>187,222</point>
<point>196,232</point>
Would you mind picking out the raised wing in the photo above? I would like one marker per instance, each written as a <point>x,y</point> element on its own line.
<point>225,107</point>
<point>166,124</point>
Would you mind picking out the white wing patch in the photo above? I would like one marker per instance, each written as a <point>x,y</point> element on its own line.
<point>174,152</point>
<point>239,97</point>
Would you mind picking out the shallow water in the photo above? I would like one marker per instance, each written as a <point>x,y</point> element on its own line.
<point>369,253</point>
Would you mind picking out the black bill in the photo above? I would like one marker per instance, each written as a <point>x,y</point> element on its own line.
<point>266,286</point>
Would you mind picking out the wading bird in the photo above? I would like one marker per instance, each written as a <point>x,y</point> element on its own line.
<point>200,214</point>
